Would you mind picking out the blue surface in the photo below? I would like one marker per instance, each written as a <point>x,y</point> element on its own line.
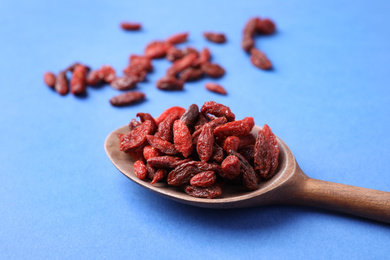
<point>328,99</point>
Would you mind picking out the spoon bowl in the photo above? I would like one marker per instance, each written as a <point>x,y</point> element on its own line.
<point>289,186</point>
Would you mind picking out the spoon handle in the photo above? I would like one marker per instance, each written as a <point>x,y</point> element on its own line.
<point>363,202</point>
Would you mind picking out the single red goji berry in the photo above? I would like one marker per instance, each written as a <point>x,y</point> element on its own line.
<point>260,60</point>
<point>216,88</point>
<point>231,167</point>
<point>231,143</point>
<point>93,78</point>
<point>217,109</point>
<point>249,176</point>
<point>174,53</point>
<point>159,175</point>
<point>205,143</point>
<point>250,27</point>
<point>130,26</point>
<point>265,26</point>
<point>169,83</point>
<point>61,85</point>
<point>151,171</point>
<point>204,56</point>
<point>147,116</point>
<point>162,145</point>
<point>49,78</point>
<point>128,98</point>
<point>179,111</point>
<point>181,64</point>
<point>140,169</point>
<point>203,179</point>
<point>215,37</point>
<point>182,138</point>
<point>107,73</point>
<point>190,74</point>
<point>218,154</point>
<point>143,61</point>
<point>150,152</point>
<point>166,161</point>
<point>124,83</point>
<point>177,38</point>
<point>157,49</point>
<point>190,115</point>
<point>203,192</point>
<point>266,153</point>
<point>134,124</point>
<point>212,70</point>
<point>136,137</point>
<point>78,83</point>
<point>165,130</point>
<point>237,128</point>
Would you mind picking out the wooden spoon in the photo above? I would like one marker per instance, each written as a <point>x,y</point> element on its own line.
<point>289,186</point>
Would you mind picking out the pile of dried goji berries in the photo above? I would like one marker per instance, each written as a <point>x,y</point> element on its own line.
<point>200,150</point>
<point>188,64</point>
<point>255,26</point>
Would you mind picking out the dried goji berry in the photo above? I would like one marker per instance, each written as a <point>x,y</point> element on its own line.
<point>181,64</point>
<point>250,27</point>
<point>179,111</point>
<point>136,137</point>
<point>169,83</point>
<point>260,60</point>
<point>136,154</point>
<point>203,192</point>
<point>61,85</point>
<point>216,88</point>
<point>125,82</point>
<point>150,152</point>
<point>107,73</point>
<point>144,62</point>
<point>78,84</point>
<point>140,169</point>
<point>205,143</point>
<point>159,175</point>
<point>203,179</point>
<point>93,78</point>
<point>213,70</point>
<point>190,74</point>
<point>249,176</point>
<point>218,154</point>
<point>265,26</point>
<point>157,49</point>
<point>231,143</point>
<point>237,128</point>
<point>247,140</point>
<point>204,56</point>
<point>217,109</point>
<point>151,171</point>
<point>231,167</point>
<point>177,38</point>
<point>134,124</point>
<point>215,37</point>
<point>182,138</point>
<point>190,115</point>
<point>165,130</point>
<point>266,153</point>
<point>166,161</point>
<point>162,145</point>
<point>147,116</point>
<point>130,26</point>
<point>49,78</point>
<point>248,151</point>
<point>127,98</point>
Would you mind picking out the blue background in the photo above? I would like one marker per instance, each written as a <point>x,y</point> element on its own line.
<point>327,98</point>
